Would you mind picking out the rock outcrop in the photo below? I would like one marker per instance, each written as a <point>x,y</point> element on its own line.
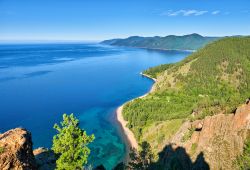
<point>16,150</point>
<point>219,138</point>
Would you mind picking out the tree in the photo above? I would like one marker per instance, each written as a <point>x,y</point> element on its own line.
<point>142,159</point>
<point>135,160</point>
<point>71,144</point>
<point>146,154</point>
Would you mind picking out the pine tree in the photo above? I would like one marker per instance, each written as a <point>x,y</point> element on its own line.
<point>142,159</point>
<point>71,144</point>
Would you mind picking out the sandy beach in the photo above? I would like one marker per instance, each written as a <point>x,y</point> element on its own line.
<point>128,133</point>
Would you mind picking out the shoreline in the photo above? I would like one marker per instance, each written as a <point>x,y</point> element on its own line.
<point>164,49</point>
<point>145,75</point>
<point>127,133</point>
<point>149,48</point>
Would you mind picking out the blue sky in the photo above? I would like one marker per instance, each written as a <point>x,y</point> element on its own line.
<point>105,19</point>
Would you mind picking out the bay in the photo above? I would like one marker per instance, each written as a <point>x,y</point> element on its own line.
<point>40,82</point>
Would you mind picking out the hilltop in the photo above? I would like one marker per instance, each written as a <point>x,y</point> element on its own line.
<point>170,42</point>
<point>197,91</point>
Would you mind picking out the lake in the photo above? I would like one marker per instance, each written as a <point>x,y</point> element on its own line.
<point>40,82</point>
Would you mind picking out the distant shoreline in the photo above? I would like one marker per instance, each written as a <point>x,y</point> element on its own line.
<point>163,49</point>
<point>128,134</point>
<point>148,48</point>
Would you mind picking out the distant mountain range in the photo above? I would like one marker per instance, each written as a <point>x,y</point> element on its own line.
<point>170,42</point>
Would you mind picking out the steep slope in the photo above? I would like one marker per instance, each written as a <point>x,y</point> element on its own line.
<point>219,139</point>
<point>171,42</point>
<point>213,81</point>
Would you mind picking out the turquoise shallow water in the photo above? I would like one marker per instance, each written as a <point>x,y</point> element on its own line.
<point>40,82</point>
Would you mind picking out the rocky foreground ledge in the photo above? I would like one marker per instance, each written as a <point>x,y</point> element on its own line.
<point>16,152</point>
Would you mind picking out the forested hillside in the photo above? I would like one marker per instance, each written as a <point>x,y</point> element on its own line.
<point>171,42</point>
<point>215,79</point>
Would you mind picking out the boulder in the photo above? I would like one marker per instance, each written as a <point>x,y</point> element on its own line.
<point>16,150</point>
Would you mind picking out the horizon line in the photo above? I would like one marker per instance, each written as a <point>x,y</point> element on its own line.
<point>99,40</point>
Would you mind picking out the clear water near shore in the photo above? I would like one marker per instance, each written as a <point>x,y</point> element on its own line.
<point>40,82</point>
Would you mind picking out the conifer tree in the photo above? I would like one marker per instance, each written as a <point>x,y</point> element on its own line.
<point>70,143</point>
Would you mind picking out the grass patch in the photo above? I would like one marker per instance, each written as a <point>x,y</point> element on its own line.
<point>193,148</point>
<point>2,150</point>
<point>158,133</point>
<point>188,135</point>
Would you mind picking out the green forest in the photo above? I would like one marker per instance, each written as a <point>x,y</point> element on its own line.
<point>213,80</point>
<point>170,42</point>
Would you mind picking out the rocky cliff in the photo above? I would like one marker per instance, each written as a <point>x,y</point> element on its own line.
<point>16,150</point>
<point>214,141</point>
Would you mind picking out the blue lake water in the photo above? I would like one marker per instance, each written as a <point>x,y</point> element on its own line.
<point>40,82</point>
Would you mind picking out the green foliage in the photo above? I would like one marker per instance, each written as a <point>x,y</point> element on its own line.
<point>71,144</point>
<point>142,159</point>
<point>216,79</point>
<point>188,135</point>
<point>193,148</point>
<point>159,132</point>
<point>1,150</point>
<point>243,161</point>
<point>154,71</point>
<point>171,42</point>
<point>157,107</point>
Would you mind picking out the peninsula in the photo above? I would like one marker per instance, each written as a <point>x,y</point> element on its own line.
<point>190,102</point>
<point>170,42</point>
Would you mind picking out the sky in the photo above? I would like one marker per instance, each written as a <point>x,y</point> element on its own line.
<point>105,19</point>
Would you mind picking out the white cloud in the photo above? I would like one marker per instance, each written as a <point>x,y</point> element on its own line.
<point>215,12</point>
<point>184,13</point>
